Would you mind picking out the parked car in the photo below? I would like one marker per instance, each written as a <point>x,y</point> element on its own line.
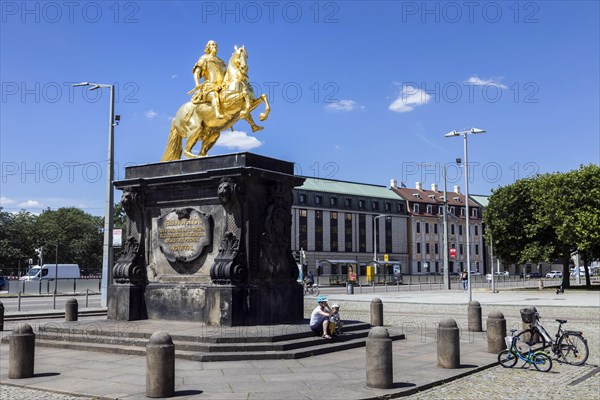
<point>2,283</point>
<point>554,274</point>
<point>533,275</point>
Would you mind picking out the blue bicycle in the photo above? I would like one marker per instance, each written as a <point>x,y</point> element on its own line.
<point>517,349</point>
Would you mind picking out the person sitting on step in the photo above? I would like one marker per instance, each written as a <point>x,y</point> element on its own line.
<point>319,318</point>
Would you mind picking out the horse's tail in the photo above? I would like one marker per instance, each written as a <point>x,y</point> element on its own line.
<point>173,150</point>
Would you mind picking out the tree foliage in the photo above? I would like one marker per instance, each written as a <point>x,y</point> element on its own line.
<point>547,217</point>
<point>75,232</point>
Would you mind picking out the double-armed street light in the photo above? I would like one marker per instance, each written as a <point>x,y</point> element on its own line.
<point>472,131</point>
<point>107,249</point>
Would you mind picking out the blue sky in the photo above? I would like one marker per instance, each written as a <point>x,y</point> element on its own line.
<point>360,91</point>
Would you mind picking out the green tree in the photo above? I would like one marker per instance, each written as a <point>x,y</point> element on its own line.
<point>547,217</point>
<point>17,241</point>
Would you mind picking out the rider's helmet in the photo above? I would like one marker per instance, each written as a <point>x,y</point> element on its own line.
<point>335,305</point>
<point>321,299</point>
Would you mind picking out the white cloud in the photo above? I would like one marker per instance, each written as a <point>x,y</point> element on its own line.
<point>173,76</point>
<point>151,114</point>
<point>30,204</point>
<point>5,201</point>
<point>238,140</point>
<point>409,98</point>
<point>342,105</point>
<point>474,80</point>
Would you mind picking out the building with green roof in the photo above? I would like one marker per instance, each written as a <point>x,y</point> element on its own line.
<point>333,223</point>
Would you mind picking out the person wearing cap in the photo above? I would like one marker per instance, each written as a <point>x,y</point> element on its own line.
<point>335,320</point>
<point>319,318</point>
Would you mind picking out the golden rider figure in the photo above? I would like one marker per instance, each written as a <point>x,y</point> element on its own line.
<point>212,69</point>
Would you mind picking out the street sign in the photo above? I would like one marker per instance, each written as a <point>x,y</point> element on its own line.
<point>453,253</point>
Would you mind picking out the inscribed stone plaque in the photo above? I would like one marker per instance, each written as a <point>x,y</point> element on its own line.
<point>183,234</point>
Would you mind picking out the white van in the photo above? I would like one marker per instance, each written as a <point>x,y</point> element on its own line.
<point>49,272</point>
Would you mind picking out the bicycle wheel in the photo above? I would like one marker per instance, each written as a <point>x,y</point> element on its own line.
<point>316,292</point>
<point>573,348</point>
<point>507,359</point>
<point>542,362</point>
<point>528,340</point>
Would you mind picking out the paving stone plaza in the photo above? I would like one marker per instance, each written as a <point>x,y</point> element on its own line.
<point>70,374</point>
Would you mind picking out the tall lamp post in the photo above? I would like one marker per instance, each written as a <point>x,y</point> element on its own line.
<point>107,249</point>
<point>472,131</point>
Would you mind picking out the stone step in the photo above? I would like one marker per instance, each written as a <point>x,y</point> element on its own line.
<point>188,344</point>
<point>320,346</point>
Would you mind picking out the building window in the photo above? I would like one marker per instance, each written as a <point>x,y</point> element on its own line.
<point>461,265</point>
<point>440,210</point>
<point>460,229</point>
<point>476,249</point>
<point>452,229</point>
<point>388,235</point>
<point>418,248</point>
<point>303,228</point>
<point>302,198</point>
<point>361,204</point>
<point>348,202</point>
<point>437,266</point>
<point>435,228</point>
<point>429,209</point>
<point>474,213</point>
<point>375,205</point>
<point>400,207</point>
<point>318,230</point>
<point>388,206</point>
<point>452,210</point>
<point>476,230</point>
<point>427,248</point>
<point>333,231</point>
<point>318,200</point>
<point>418,227</point>
<point>415,208</point>
<point>348,232</point>
<point>462,211</point>
<point>460,248</point>
<point>426,227</point>
<point>436,248</point>
<point>418,266</point>
<point>333,201</point>
<point>362,233</point>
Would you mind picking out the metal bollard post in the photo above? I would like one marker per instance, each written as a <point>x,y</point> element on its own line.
<point>496,332</point>
<point>54,300</point>
<point>349,288</point>
<point>379,359</point>
<point>160,365</point>
<point>474,317</point>
<point>19,301</point>
<point>87,292</point>
<point>71,310</point>
<point>376,312</point>
<point>21,352</point>
<point>1,316</point>
<point>448,345</point>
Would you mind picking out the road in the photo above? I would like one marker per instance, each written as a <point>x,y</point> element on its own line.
<point>45,303</point>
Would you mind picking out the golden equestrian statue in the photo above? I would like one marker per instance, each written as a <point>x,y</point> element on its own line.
<point>218,103</point>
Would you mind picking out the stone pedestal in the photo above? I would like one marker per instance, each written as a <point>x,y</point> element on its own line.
<point>209,241</point>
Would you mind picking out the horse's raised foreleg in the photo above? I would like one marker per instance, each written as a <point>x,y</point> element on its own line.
<point>265,115</point>
<point>208,141</point>
<point>250,120</point>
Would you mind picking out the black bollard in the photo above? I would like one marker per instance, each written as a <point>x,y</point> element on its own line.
<point>496,332</point>
<point>71,310</point>
<point>448,344</point>
<point>160,365</point>
<point>376,312</point>
<point>21,352</point>
<point>380,371</point>
<point>474,317</point>
<point>1,316</point>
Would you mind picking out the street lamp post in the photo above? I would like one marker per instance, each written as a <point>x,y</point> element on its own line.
<point>472,131</point>
<point>446,249</point>
<point>107,249</point>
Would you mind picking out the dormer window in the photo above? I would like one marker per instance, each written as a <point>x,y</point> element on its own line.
<point>462,211</point>
<point>416,208</point>
<point>474,213</point>
<point>429,209</point>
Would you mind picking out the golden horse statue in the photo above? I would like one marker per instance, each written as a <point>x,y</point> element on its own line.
<point>199,122</point>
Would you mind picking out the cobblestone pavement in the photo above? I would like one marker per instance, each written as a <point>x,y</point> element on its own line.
<point>562,382</point>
